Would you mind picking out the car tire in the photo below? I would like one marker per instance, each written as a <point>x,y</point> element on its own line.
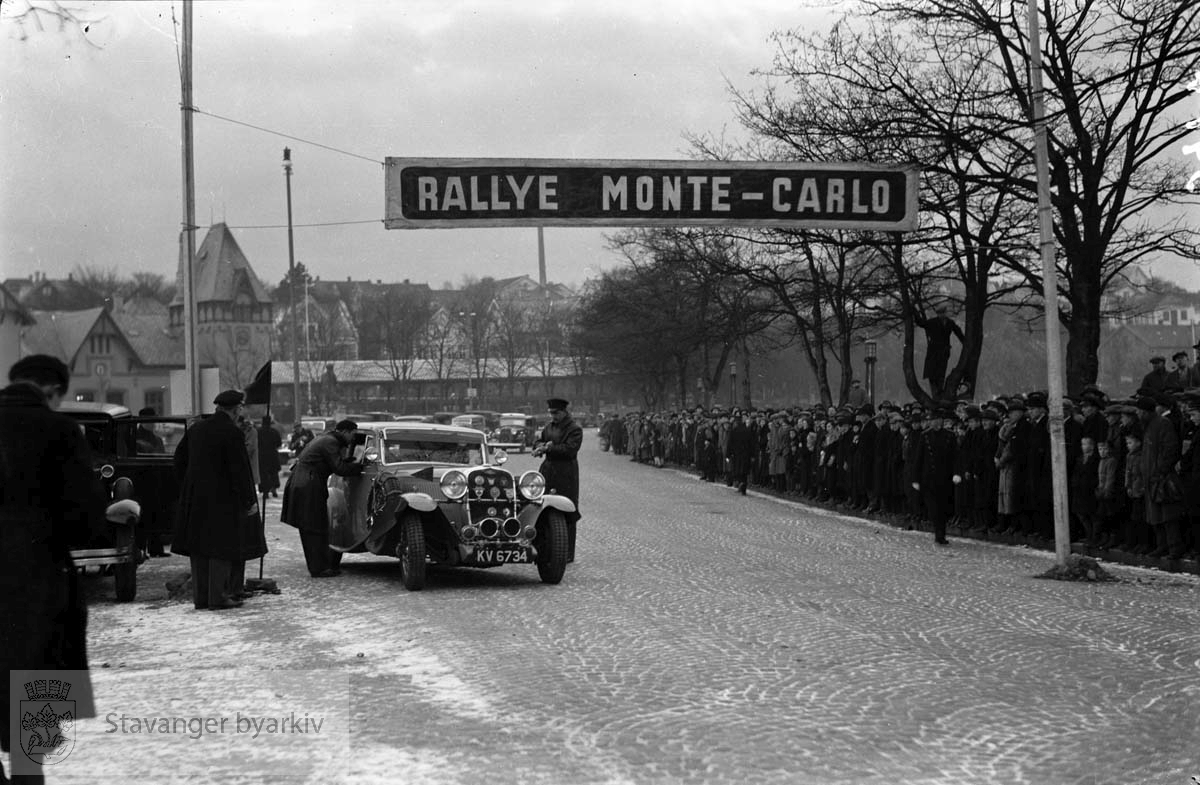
<point>411,550</point>
<point>552,550</point>
<point>125,579</point>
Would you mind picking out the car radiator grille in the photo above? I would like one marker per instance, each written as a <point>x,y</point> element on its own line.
<point>493,503</point>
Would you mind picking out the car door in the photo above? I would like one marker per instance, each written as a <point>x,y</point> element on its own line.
<point>349,498</point>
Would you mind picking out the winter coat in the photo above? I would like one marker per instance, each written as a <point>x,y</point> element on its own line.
<point>1110,487</point>
<point>778,445</point>
<point>560,465</point>
<point>216,491</point>
<point>1085,478</point>
<point>1160,453</point>
<point>1135,478</point>
<point>306,495</point>
<point>50,500</point>
<point>269,442</point>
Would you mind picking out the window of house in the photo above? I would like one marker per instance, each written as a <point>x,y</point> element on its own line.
<point>115,396</point>
<point>155,399</point>
<point>85,395</point>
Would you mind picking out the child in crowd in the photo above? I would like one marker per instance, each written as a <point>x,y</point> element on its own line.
<point>1137,534</point>
<point>1109,495</point>
<point>1084,480</point>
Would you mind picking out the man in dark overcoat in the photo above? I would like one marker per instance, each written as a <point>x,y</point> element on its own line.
<point>216,502</point>
<point>269,442</point>
<point>558,447</point>
<point>49,501</point>
<point>742,445</point>
<point>1161,451</point>
<point>935,468</point>
<point>1036,470</point>
<point>306,495</point>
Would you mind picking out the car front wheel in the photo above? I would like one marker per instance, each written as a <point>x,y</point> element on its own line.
<point>552,547</point>
<point>411,550</point>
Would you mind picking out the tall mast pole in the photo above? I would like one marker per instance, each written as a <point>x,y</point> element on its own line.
<point>188,236</point>
<point>287,172</point>
<point>1054,385</point>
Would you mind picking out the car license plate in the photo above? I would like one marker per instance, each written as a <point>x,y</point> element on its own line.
<point>502,555</point>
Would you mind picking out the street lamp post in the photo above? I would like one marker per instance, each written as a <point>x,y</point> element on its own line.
<point>732,384</point>
<point>470,353</point>
<point>287,171</point>
<point>871,356</point>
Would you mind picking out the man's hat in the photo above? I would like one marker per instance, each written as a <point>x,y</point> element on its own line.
<point>991,414</point>
<point>1146,403</point>
<point>1177,355</point>
<point>844,418</point>
<point>1090,399</point>
<point>346,425</point>
<point>557,403</point>
<point>1016,404</point>
<point>229,398</point>
<point>1036,399</point>
<point>866,409</point>
<point>1158,359</point>
<point>42,369</point>
<point>974,413</point>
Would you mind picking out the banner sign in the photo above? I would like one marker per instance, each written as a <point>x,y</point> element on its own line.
<point>458,192</point>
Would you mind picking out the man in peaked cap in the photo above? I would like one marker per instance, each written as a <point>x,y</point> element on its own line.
<point>216,499</point>
<point>934,470</point>
<point>558,447</point>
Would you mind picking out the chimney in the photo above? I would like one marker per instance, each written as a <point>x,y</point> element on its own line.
<point>541,258</point>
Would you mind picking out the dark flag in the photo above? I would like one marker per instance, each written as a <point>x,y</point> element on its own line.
<point>259,390</point>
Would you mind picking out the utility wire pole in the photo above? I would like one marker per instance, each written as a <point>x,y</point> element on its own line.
<point>1054,385</point>
<point>188,233</point>
<point>287,172</point>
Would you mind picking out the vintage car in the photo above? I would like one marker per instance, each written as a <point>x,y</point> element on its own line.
<point>134,459</point>
<point>474,421</point>
<point>438,494</point>
<point>515,431</point>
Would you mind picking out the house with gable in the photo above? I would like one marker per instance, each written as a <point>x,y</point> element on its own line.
<point>13,317</point>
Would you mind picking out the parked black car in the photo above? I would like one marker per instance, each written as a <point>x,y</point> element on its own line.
<point>134,459</point>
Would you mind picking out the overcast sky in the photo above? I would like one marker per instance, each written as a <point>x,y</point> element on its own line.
<point>90,135</point>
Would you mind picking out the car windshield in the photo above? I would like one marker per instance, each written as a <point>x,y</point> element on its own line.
<point>512,422</point>
<point>452,448</point>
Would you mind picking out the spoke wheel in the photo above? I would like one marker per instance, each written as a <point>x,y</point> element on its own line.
<point>552,547</point>
<point>411,550</point>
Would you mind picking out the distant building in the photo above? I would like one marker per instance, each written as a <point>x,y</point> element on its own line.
<point>13,318</point>
<point>235,314</point>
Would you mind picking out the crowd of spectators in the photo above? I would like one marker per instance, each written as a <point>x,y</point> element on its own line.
<point>1133,471</point>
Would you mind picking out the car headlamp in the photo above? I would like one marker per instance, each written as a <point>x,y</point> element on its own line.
<point>454,484</point>
<point>532,485</point>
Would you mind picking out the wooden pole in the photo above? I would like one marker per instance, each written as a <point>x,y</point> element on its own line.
<point>188,235</point>
<point>1054,384</point>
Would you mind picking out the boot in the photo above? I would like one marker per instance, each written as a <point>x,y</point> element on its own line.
<point>1174,537</point>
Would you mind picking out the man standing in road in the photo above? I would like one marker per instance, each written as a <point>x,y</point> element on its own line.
<point>48,502</point>
<point>935,471</point>
<point>559,446</point>
<point>306,495</point>
<point>216,502</point>
<point>741,451</point>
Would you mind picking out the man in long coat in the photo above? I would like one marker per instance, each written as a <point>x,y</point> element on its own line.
<point>558,447</point>
<point>269,442</point>
<point>216,502</point>
<point>742,444</point>
<point>306,495</point>
<point>1160,454</point>
<point>49,501</point>
<point>935,470</point>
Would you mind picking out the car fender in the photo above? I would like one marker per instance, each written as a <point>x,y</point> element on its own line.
<point>530,514</point>
<point>378,539</point>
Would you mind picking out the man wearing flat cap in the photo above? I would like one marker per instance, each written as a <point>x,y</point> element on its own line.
<point>558,446</point>
<point>934,470</point>
<point>216,502</point>
<point>50,502</point>
<point>1185,375</point>
<point>306,495</point>
<point>1157,378</point>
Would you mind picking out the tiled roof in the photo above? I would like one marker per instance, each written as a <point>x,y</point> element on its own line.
<point>218,266</point>
<point>59,333</point>
<point>152,340</point>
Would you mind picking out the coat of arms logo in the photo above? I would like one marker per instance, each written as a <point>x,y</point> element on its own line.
<point>47,721</point>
